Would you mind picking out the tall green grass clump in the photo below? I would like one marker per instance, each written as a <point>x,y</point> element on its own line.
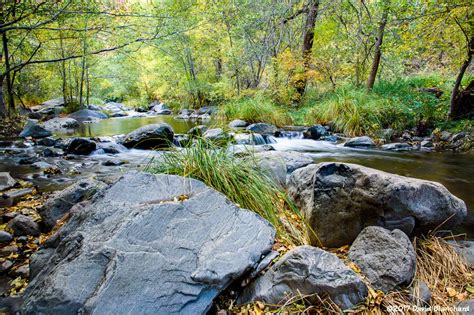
<point>398,104</point>
<point>255,109</point>
<point>239,180</point>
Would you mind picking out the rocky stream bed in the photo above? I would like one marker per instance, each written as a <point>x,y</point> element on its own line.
<point>86,230</point>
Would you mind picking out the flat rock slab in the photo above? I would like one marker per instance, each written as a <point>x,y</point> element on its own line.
<point>149,244</point>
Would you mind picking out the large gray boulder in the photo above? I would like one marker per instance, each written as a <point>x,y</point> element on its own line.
<point>262,128</point>
<point>386,258</point>
<point>87,115</point>
<point>305,271</point>
<point>61,123</point>
<point>61,202</point>
<point>150,244</point>
<point>6,181</point>
<point>353,196</point>
<point>150,137</point>
<point>279,164</point>
<point>32,129</point>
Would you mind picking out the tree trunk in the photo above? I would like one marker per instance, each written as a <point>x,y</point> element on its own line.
<point>3,109</point>
<point>9,84</point>
<point>378,50</point>
<point>461,101</point>
<point>308,38</point>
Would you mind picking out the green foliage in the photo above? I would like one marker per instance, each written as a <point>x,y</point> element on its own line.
<point>396,104</point>
<point>238,179</point>
<point>255,109</point>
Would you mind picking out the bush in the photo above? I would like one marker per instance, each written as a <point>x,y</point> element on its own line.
<point>255,109</point>
<point>391,104</point>
<point>239,180</point>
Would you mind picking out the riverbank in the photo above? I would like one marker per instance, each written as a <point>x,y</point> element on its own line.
<point>51,157</point>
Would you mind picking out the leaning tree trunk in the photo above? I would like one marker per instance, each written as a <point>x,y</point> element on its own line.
<point>3,109</point>
<point>308,38</point>
<point>461,100</point>
<point>378,50</point>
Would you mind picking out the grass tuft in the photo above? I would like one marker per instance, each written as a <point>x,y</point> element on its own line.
<point>238,179</point>
<point>255,109</point>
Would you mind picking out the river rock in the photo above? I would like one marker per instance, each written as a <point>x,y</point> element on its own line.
<point>465,307</point>
<point>87,115</point>
<point>421,294</point>
<point>306,270</point>
<point>111,147</point>
<point>61,202</point>
<point>61,123</point>
<point>426,144</point>
<point>150,137</point>
<point>47,142</point>
<point>238,124</point>
<point>360,142</point>
<point>6,181</point>
<point>397,146</point>
<point>81,146</point>
<point>32,129</point>
<point>137,242</point>
<point>465,249</point>
<point>23,225</point>
<point>315,132</point>
<point>52,152</point>
<point>279,164</point>
<point>262,128</point>
<point>386,258</point>
<point>215,134</point>
<point>353,196</point>
<point>5,236</point>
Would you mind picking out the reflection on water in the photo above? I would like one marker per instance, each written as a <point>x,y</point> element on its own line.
<point>117,126</point>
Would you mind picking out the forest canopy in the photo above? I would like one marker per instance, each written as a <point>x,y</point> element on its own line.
<point>193,53</point>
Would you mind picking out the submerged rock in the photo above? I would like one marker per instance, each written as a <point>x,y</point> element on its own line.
<point>61,202</point>
<point>305,271</point>
<point>360,142</point>
<point>150,137</point>
<point>137,242</point>
<point>397,146</point>
<point>386,258</point>
<point>353,196</point>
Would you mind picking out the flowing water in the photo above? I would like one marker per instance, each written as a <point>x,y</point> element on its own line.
<point>453,170</point>
<point>124,125</point>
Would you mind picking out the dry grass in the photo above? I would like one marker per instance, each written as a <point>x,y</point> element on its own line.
<point>445,272</point>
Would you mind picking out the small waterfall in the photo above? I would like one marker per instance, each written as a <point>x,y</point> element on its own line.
<point>249,139</point>
<point>306,145</point>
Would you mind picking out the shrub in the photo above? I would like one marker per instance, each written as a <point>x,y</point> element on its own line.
<point>255,109</point>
